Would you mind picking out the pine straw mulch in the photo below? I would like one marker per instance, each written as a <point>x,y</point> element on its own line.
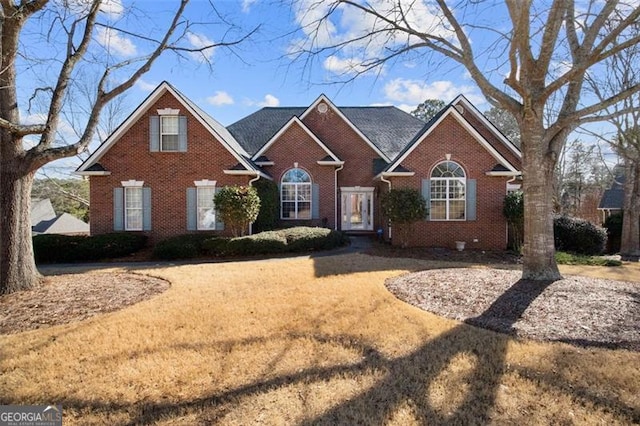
<point>579,310</point>
<point>67,298</point>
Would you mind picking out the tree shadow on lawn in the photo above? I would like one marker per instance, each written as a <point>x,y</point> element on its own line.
<point>406,379</point>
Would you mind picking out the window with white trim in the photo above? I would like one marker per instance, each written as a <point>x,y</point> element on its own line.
<point>169,133</point>
<point>295,195</point>
<point>206,208</point>
<point>448,192</point>
<point>133,208</point>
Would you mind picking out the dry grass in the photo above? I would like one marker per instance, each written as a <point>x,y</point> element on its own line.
<point>308,341</point>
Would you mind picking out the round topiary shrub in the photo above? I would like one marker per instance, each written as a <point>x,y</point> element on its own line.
<point>578,236</point>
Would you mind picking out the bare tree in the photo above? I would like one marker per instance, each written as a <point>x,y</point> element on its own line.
<point>506,122</point>
<point>545,49</point>
<point>622,71</point>
<point>59,39</point>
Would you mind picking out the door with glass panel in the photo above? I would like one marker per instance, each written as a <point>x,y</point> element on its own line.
<point>357,209</point>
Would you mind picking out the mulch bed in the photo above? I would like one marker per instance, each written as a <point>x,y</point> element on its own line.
<point>74,297</point>
<point>578,310</point>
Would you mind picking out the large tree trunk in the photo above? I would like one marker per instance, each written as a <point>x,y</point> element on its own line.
<point>539,262</point>
<point>17,266</point>
<point>630,240</point>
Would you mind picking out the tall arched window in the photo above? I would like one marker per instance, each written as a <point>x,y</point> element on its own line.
<point>295,195</point>
<point>448,192</point>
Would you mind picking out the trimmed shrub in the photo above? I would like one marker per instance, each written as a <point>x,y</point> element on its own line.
<point>613,224</point>
<point>269,214</point>
<point>51,248</point>
<point>268,242</point>
<point>404,207</point>
<point>185,246</point>
<point>238,206</point>
<point>303,238</point>
<point>578,236</point>
<point>513,211</point>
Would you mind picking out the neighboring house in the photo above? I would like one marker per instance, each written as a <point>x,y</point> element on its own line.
<point>612,199</point>
<point>158,172</point>
<point>45,221</point>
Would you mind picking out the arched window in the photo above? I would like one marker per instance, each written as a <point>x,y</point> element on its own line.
<point>295,195</point>
<point>448,192</point>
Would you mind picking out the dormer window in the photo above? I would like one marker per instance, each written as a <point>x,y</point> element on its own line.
<point>169,133</point>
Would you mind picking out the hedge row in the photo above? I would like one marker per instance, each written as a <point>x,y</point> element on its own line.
<point>292,240</point>
<point>52,248</point>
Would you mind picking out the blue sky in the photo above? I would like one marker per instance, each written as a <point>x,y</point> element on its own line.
<point>259,72</point>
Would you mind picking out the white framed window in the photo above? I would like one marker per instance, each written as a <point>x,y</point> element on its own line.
<point>448,192</point>
<point>295,194</point>
<point>133,208</point>
<point>169,133</point>
<point>206,213</point>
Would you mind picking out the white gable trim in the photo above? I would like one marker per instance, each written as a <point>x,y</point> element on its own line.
<point>451,110</point>
<point>137,114</point>
<point>323,98</point>
<point>492,127</point>
<point>295,120</point>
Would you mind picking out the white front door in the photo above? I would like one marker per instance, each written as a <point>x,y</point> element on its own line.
<point>357,209</point>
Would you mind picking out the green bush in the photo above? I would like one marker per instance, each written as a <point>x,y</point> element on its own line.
<point>268,242</point>
<point>578,236</point>
<point>269,214</point>
<point>513,211</point>
<point>238,206</point>
<point>185,246</point>
<point>51,248</point>
<point>303,238</point>
<point>404,207</point>
<point>291,240</point>
<point>613,225</point>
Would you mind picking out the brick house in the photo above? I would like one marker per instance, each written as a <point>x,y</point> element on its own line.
<point>157,173</point>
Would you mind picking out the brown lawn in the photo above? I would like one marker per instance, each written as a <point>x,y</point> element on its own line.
<point>308,341</point>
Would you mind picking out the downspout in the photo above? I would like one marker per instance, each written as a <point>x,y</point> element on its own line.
<point>388,182</point>
<point>250,184</point>
<point>335,187</point>
<point>507,225</point>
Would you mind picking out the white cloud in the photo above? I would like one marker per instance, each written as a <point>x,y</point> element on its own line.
<point>145,86</point>
<point>409,93</point>
<point>115,43</point>
<point>268,101</point>
<point>112,8</point>
<point>200,41</point>
<point>220,98</point>
<point>246,5</point>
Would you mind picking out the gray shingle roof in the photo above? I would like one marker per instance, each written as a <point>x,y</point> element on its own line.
<point>63,224</point>
<point>388,128</point>
<point>612,199</point>
<point>253,131</point>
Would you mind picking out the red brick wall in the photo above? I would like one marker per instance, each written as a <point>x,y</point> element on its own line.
<point>490,227</point>
<point>168,174</point>
<point>492,139</point>
<point>295,145</point>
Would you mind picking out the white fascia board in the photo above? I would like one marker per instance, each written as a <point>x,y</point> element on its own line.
<point>104,173</point>
<point>247,173</point>
<point>492,127</point>
<point>284,128</point>
<point>503,173</point>
<point>330,163</point>
<point>473,132</point>
<point>323,98</point>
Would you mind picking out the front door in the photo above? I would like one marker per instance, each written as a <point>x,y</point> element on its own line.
<point>357,209</point>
